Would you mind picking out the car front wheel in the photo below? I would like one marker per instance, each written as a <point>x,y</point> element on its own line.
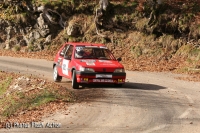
<point>75,85</point>
<point>56,76</point>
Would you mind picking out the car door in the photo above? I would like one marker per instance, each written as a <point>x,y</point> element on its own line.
<point>60,59</point>
<point>66,61</point>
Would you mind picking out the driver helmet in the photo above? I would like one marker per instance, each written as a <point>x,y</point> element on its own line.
<point>79,52</point>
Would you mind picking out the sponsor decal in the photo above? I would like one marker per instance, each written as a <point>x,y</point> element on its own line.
<point>105,61</point>
<point>103,75</point>
<point>64,67</point>
<point>103,47</point>
<point>103,80</point>
<point>90,63</point>
<point>79,48</point>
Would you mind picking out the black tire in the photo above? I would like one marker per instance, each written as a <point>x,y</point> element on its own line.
<point>75,85</point>
<point>118,85</point>
<point>56,76</point>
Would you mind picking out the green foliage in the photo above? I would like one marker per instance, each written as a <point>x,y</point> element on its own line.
<point>16,48</point>
<point>31,101</point>
<point>184,50</point>
<point>137,51</point>
<point>166,41</point>
<point>195,53</point>
<point>31,47</point>
<point>134,3</point>
<point>4,85</point>
<point>195,8</point>
<point>141,24</point>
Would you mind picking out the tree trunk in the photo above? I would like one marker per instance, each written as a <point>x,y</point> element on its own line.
<point>103,4</point>
<point>99,15</point>
<point>160,2</point>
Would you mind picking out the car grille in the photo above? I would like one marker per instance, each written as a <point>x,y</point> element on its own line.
<point>104,70</point>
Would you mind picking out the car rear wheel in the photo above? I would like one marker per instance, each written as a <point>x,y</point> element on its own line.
<point>75,85</point>
<point>56,76</point>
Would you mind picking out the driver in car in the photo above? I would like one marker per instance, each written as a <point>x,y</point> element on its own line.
<point>80,53</point>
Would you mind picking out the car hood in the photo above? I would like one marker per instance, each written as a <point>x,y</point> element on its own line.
<point>100,65</point>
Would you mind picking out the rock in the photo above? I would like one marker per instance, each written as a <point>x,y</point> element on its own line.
<point>43,28</point>
<point>36,26</point>
<point>2,45</point>
<point>31,35</point>
<point>35,35</point>
<point>40,21</point>
<point>40,9</point>
<point>73,29</point>
<point>47,40</point>
<point>40,46</point>
<point>22,42</point>
<point>8,30</point>
<point>44,32</point>
<point>27,29</point>
<point>7,44</point>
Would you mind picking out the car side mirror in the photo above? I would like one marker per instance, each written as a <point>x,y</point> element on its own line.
<point>61,54</point>
<point>119,59</point>
<point>67,57</point>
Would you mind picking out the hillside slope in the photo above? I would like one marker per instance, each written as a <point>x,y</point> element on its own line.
<point>148,37</point>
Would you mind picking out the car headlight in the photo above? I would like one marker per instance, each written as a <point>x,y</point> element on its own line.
<point>119,70</point>
<point>83,69</point>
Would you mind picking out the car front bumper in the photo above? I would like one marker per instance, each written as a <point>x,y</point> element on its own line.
<point>98,77</point>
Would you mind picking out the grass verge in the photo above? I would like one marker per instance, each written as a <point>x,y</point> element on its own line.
<point>22,96</point>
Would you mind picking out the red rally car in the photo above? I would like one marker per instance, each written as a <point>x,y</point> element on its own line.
<point>86,63</point>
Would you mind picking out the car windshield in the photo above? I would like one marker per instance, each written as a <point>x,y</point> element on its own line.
<point>92,52</point>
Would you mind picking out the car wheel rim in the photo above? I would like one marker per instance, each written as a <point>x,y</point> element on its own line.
<point>55,73</point>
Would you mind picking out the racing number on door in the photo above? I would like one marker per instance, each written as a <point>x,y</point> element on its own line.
<point>65,67</point>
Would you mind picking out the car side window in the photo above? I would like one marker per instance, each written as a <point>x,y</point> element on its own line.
<point>107,54</point>
<point>63,51</point>
<point>69,51</point>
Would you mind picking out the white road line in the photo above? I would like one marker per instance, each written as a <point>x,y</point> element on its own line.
<point>189,99</point>
<point>155,128</point>
<point>187,112</point>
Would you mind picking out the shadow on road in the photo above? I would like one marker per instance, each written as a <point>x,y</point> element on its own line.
<point>142,86</point>
<point>98,91</point>
<point>131,94</point>
<point>128,85</point>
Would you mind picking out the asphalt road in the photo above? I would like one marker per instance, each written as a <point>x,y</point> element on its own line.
<point>149,102</point>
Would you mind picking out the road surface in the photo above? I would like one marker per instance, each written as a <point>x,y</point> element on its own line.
<point>149,102</point>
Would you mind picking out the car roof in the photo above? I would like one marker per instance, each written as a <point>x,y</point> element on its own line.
<point>84,43</point>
